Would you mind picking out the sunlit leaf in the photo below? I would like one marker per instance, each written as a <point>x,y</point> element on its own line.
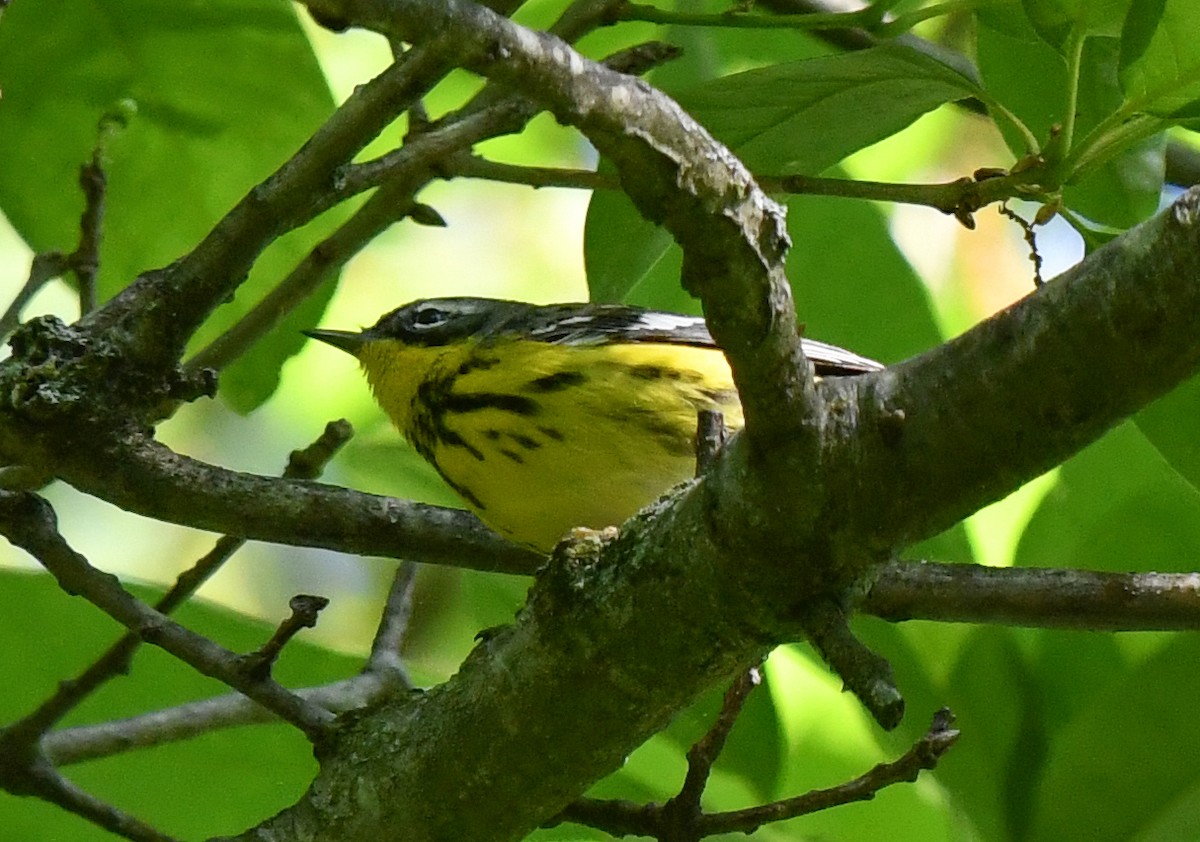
<point>1172,424</point>
<point>804,116</point>
<point>1060,21</point>
<point>199,134</point>
<point>1160,59</point>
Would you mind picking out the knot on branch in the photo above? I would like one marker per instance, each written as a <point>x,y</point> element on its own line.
<point>58,371</point>
<point>49,349</point>
<point>570,573</point>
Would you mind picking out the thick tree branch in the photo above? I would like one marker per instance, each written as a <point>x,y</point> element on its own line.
<point>969,421</point>
<point>143,476</point>
<point>825,483</point>
<point>58,423</point>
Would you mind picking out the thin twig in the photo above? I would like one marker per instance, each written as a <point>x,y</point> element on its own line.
<point>400,175</point>
<point>47,784</point>
<point>624,818</point>
<point>1084,600</point>
<point>925,754</point>
<point>489,114</point>
<point>737,20</point>
<point>393,625</point>
<point>392,202</point>
<point>960,198</point>
<point>44,268</point>
<point>467,165</point>
<point>116,659</point>
<point>702,755</point>
<point>305,609</point>
<point>306,463</point>
<point>1035,256</point>
<point>85,261</point>
<point>193,719</point>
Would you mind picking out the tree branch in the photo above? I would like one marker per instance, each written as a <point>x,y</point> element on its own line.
<point>1049,599</point>
<point>383,673</point>
<point>143,476</point>
<point>733,259</point>
<point>199,282</point>
<point>393,624</point>
<point>29,522</point>
<point>925,754</point>
<point>864,474</point>
<point>622,818</point>
<point>826,481</point>
<point>47,784</point>
<point>305,463</point>
<point>1031,385</point>
<point>90,742</point>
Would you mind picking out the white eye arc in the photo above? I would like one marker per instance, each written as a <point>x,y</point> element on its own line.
<point>429,317</point>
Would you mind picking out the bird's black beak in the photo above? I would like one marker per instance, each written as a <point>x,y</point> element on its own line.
<point>349,342</point>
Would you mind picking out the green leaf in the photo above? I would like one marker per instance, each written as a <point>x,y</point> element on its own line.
<point>1187,116</point>
<point>203,132</point>
<point>991,694</point>
<point>220,783</point>
<point>1071,669</point>
<point>712,52</point>
<point>1060,21</point>
<point>1139,30</point>
<point>1178,819</point>
<point>1030,78</point>
<point>796,117</point>
<point>1160,57</point>
<point>748,752</point>
<point>1126,190</point>
<point>1022,71</point>
<point>1172,424</point>
<point>1117,506</point>
<point>629,258</point>
<point>754,749</point>
<point>855,291</point>
<point>804,116</point>
<point>1118,767</point>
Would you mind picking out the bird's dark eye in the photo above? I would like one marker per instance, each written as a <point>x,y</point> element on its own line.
<point>428,317</point>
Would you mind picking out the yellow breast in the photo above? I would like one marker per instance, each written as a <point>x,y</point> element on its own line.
<point>540,438</point>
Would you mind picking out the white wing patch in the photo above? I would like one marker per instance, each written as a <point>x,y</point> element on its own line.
<point>561,323</point>
<point>666,321</point>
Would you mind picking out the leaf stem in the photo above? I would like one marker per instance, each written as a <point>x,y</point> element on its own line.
<point>1074,69</point>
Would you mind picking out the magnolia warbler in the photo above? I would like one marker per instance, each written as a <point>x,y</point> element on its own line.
<point>545,418</point>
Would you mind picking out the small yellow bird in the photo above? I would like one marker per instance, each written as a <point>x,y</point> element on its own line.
<point>546,418</point>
